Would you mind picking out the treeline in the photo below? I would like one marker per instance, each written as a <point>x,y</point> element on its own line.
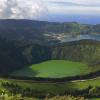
<point>13,89</point>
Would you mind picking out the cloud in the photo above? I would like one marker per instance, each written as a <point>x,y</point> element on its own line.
<point>83,2</point>
<point>86,2</point>
<point>64,3</point>
<point>44,9</point>
<point>28,9</point>
<point>75,10</point>
<point>74,7</point>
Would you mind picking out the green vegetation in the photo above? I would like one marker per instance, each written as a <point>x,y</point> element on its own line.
<point>84,51</point>
<point>13,29</point>
<point>18,55</point>
<point>95,99</point>
<point>10,91</point>
<point>65,98</point>
<point>55,88</point>
<point>85,84</point>
<point>19,97</point>
<point>54,69</point>
<point>29,88</point>
<point>24,45</point>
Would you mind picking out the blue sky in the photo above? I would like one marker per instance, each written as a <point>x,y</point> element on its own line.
<point>83,11</point>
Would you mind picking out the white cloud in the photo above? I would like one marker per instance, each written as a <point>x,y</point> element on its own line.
<point>86,2</point>
<point>78,7</point>
<point>31,9</point>
<point>38,9</point>
<point>74,10</point>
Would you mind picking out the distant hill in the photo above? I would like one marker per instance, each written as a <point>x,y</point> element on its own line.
<point>35,31</point>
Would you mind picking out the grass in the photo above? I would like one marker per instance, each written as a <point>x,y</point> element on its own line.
<point>54,69</point>
<point>85,84</point>
<point>54,88</point>
<point>95,99</point>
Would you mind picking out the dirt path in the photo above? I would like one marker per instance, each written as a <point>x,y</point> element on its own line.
<point>86,80</point>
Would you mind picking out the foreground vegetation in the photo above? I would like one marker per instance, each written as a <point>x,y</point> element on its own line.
<point>18,97</point>
<point>87,89</point>
<point>14,91</point>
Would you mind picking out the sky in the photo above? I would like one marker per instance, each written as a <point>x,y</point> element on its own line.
<point>83,11</point>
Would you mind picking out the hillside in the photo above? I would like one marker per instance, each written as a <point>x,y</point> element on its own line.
<point>27,42</point>
<point>14,55</point>
<point>40,59</point>
<point>10,56</point>
<point>43,32</point>
<point>85,51</point>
